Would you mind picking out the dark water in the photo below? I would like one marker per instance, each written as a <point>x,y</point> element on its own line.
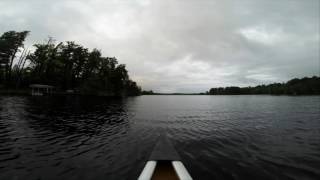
<point>218,137</point>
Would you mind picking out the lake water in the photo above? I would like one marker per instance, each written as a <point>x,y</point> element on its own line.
<point>218,137</point>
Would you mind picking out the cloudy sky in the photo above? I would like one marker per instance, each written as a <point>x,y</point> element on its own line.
<point>183,45</point>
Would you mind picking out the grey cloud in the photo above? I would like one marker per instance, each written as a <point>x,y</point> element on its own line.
<point>189,46</point>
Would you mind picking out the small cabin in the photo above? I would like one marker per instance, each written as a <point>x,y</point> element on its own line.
<point>41,89</point>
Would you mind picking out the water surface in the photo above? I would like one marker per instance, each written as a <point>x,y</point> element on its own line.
<point>218,137</point>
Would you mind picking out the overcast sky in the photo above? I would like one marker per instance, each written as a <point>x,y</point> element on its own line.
<point>183,45</point>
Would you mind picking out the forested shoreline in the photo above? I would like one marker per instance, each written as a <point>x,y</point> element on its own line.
<point>64,65</point>
<point>303,86</point>
<point>70,66</point>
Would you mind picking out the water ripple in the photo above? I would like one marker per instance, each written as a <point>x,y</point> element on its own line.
<point>218,137</point>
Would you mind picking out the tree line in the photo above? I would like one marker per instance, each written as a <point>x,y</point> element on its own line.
<point>303,86</point>
<point>65,65</point>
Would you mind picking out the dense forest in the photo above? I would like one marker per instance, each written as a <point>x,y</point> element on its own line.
<point>64,65</point>
<point>304,86</point>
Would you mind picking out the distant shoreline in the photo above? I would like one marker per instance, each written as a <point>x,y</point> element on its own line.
<point>27,92</point>
<point>230,94</point>
<point>295,87</point>
<point>24,92</point>
<point>303,86</point>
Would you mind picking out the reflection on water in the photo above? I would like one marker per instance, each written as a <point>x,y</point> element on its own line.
<point>223,137</point>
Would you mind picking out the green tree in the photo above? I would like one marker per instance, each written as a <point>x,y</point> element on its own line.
<point>10,42</point>
<point>304,86</point>
<point>66,66</point>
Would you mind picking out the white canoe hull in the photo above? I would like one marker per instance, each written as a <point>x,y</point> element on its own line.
<point>178,166</point>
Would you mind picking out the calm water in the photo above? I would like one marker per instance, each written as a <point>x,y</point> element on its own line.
<point>218,137</point>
